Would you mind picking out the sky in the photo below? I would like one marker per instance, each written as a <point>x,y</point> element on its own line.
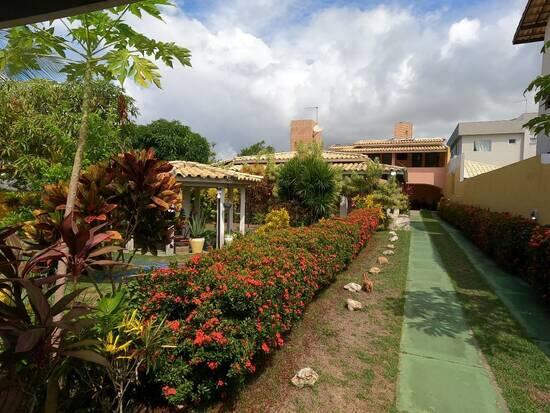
<point>366,64</point>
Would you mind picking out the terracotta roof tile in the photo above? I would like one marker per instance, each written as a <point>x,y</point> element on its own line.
<point>394,145</point>
<point>187,169</point>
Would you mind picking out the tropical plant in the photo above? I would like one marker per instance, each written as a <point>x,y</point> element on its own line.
<point>197,226</point>
<point>258,148</point>
<point>93,45</point>
<point>38,122</point>
<point>390,195</point>
<point>541,86</point>
<point>275,219</point>
<point>36,345</point>
<point>364,183</point>
<point>172,141</point>
<point>309,185</point>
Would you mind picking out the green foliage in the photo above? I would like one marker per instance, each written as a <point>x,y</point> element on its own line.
<point>309,185</point>
<point>197,226</point>
<point>100,42</point>
<point>258,148</point>
<point>39,120</point>
<point>275,219</point>
<point>364,183</point>
<point>541,84</point>
<point>172,141</point>
<point>390,195</point>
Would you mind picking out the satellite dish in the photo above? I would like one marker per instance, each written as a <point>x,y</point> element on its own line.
<point>317,129</point>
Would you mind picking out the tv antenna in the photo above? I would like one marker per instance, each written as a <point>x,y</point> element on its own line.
<point>316,112</point>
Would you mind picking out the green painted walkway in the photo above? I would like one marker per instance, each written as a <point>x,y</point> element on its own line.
<point>440,366</point>
<point>516,294</point>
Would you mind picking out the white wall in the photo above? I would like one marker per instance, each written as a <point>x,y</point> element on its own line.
<point>543,141</point>
<point>502,152</point>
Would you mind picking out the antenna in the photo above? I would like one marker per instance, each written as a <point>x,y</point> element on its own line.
<point>316,112</point>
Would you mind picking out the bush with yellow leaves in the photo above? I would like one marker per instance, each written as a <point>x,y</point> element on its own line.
<point>275,219</point>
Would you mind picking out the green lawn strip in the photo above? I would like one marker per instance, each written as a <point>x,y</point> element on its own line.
<point>356,354</point>
<point>521,369</point>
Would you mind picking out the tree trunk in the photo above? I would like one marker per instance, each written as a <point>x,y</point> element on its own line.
<point>77,164</point>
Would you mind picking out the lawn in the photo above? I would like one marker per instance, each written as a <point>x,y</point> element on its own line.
<point>521,369</point>
<point>355,353</point>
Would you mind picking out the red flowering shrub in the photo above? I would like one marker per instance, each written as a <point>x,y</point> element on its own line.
<point>516,243</point>
<point>232,305</point>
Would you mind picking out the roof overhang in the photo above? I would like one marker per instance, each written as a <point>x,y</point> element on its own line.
<point>21,12</point>
<point>532,26</point>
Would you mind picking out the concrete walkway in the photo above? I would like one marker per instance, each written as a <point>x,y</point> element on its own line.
<point>440,366</point>
<point>516,294</point>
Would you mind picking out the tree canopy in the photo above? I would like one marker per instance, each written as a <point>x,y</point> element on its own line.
<point>258,148</point>
<point>39,120</point>
<point>172,141</point>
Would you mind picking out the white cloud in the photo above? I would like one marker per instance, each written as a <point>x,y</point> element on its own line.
<point>364,68</point>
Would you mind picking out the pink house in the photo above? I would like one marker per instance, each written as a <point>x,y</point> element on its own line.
<point>425,160</point>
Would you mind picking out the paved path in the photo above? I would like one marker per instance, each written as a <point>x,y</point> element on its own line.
<point>440,366</point>
<point>516,294</point>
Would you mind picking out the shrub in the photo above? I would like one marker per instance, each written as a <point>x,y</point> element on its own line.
<point>275,219</point>
<point>516,243</point>
<point>232,306</point>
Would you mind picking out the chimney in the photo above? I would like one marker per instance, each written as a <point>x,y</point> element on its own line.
<point>302,132</point>
<point>403,130</point>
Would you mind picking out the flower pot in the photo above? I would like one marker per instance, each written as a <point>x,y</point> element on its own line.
<point>228,239</point>
<point>197,244</point>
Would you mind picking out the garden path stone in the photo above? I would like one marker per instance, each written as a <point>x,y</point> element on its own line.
<point>305,377</point>
<point>374,270</point>
<point>382,260</point>
<point>441,369</point>
<point>353,305</point>
<point>353,287</point>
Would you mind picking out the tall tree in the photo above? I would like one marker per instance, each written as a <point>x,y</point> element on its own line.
<point>172,141</point>
<point>258,148</point>
<point>98,45</point>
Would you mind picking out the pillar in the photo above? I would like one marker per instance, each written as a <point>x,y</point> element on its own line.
<point>197,201</point>
<point>343,206</point>
<point>242,206</point>
<point>231,210</point>
<point>220,218</point>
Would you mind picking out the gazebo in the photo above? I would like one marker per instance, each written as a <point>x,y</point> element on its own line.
<point>195,177</point>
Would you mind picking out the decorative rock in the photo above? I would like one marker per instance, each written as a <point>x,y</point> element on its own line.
<point>353,287</point>
<point>393,238</point>
<point>382,260</point>
<point>393,233</point>
<point>305,377</point>
<point>388,252</point>
<point>374,270</point>
<point>353,305</point>
<point>390,246</point>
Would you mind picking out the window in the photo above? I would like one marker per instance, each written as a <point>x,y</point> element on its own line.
<point>402,156</point>
<point>432,160</point>
<point>482,146</point>
<point>416,160</point>
<point>511,141</point>
<point>386,158</point>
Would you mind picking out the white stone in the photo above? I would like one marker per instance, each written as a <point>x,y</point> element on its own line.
<point>353,305</point>
<point>305,377</point>
<point>353,287</point>
<point>390,246</point>
<point>394,238</point>
<point>374,270</point>
<point>382,260</point>
<point>388,252</point>
<point>393,233</point>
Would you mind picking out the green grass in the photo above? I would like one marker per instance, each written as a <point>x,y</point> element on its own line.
<point>521,369</point>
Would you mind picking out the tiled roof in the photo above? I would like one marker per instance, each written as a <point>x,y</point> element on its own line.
<point>187,169</point>
<point>533,22</point>
<point>285,156</point>
<point>474,168</point>
<point>394,145</point>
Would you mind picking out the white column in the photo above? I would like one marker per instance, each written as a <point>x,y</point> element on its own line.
<point>343,206</point>
<point>187,201</point>
<point>243,211</point>
<point>231,210</point>
<point>220,219</point>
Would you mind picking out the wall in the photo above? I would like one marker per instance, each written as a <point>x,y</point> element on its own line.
<point>502,152</point>
<point>518,188</point>
<point>301,132</point>
<point>427,176</point>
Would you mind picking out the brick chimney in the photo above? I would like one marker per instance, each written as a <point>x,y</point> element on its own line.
<point>301,132</point>
<point>403,130</point>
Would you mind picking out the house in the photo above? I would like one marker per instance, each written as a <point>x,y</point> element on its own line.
<point>425,160</point>
<point>534,26</point>
<point>479,147</point>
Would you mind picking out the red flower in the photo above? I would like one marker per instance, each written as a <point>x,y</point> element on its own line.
<point>168,391</point>
<point>201,338</point>
<point>265,347</point>
<point>173,325</point>
<point>249,366</point>
<point>212,365</point>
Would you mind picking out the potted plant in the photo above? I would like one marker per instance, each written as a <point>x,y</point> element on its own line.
<point>196,232</point>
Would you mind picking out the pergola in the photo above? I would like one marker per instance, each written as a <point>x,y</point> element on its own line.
<point>195,177</point>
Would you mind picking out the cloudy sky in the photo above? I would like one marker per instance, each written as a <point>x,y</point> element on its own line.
<point>366,64</point>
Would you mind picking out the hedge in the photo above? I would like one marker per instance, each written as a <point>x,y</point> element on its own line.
<point>516,243</point>
<point>232,306</point>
